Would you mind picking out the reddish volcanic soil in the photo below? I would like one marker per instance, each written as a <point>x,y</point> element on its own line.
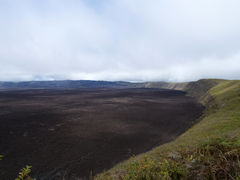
<point>72,132</point>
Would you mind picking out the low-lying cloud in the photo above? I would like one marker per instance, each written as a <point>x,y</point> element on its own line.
<point>131,40</point>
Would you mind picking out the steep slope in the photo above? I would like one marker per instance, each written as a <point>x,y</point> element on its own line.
<point>208,150</point>
<point>166,85</point>
<point>196,88</point>
<point>200,88</point>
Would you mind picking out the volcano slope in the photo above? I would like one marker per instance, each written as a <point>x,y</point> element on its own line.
<point>69,133</point>
<point>208,150</point>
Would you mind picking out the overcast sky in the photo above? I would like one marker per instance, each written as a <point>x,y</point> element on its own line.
<point>131,40</point>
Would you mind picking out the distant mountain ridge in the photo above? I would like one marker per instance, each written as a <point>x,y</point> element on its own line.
<point>64,84</point>
<point>192,88</point>
<point>74,84</point>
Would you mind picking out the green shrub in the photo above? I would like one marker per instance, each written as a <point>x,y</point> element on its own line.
<point>215,159</point>
<point>24,173</point>
<point>149,169</point>
<point>218,159</point>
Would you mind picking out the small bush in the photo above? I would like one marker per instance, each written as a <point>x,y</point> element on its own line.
<point>1,157</point>
<point>218,159</point>
<point>149,169</point>
<point>24,173</point>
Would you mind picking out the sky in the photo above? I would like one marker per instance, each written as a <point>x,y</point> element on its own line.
<point>127,40</point>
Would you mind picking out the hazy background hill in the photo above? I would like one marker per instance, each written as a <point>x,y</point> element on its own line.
<point>63,84</point>
<point>195,89</point>
<point>88,84</point>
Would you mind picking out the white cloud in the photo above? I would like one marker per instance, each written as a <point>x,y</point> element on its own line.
<point>119,40</point>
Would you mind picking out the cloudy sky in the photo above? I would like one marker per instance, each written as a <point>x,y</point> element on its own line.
<point>132,40</point>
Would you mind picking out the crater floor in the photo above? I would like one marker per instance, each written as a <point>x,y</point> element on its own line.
<point>73,132</point>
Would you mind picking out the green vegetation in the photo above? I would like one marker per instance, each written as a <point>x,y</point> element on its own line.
<point>208,150</point>
<point>216,159</point>
<point>24,174</point>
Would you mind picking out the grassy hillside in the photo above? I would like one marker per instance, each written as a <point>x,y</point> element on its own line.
<point>176,86</point>
<point>208,150</point>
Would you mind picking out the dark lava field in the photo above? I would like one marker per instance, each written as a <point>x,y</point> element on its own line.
<point>73,132</point>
